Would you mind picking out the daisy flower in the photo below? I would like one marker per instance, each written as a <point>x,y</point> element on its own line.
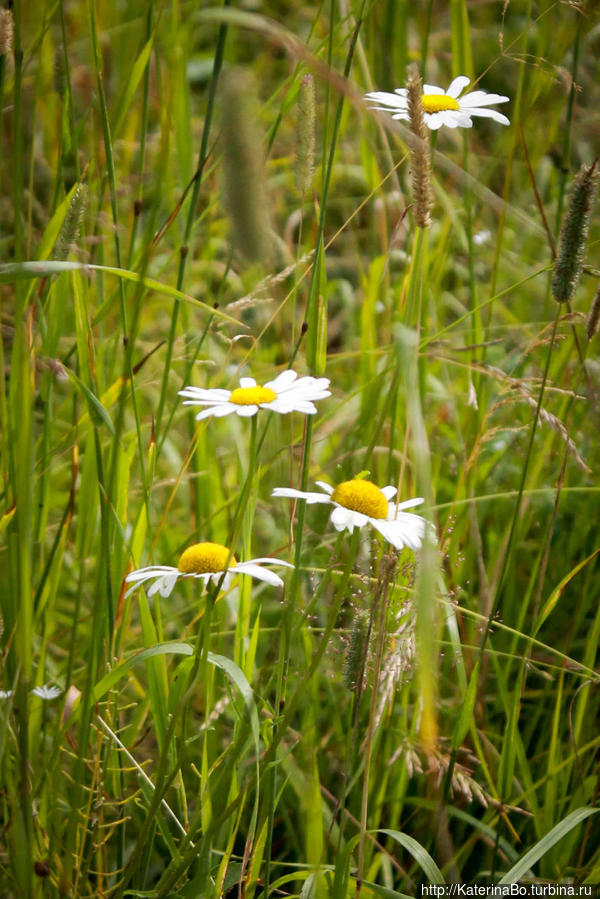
<point>443,107</point>
<point>206,562</point>
<point>5,694</point>
<point>47,692</point>
<point>286,393</point>
<point>359,502</point>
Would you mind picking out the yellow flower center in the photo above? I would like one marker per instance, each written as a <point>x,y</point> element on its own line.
<point>438,102</point>
<point>205,557</point>
<point>361,496</point>
<point>252,396</point>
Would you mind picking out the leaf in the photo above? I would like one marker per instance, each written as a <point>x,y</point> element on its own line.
<point>557,592</point>
<point>23,271</point>
<point>420,855</point>
<point>540,849</point>
<point>177,647</point>
<point>98,413</point>
<point>52,229</point>
<point>135,76</point>
<point>7,518</point>
<point>235,674</point>
<point>464,720</point>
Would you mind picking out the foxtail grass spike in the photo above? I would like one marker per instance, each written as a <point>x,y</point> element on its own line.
<point>69,232</point>
<point>245,192</point>
<point>419,151</point>
<point>593,319</point>
<point>6,31</point>
<point>354,662</point>
<point>305,137</point>
<point>574,232</point>
<point>60,82</point>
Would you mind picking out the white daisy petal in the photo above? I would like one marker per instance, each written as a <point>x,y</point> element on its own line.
<point>282,407</point>
<point>326,487</point>
<point>261,574</point>
<point>298,494</point>
<point>47,692</point>
<point>142,574</point>
<point>402,532</point>
<point>463,120</point>
<point>198,394</point>
<point>199,575</point>
<point>157,587</point>
<point>283,381</point>
<point>5,694</point>
<point>226,582</point>
<point>408,503</point>
<point>432,89</point>
<point>217,411</point>
<point>360,520</point>
<point>246,411</point>
<point>457,86</point>
<point>342,518</point>
<point>168,582</point>
<point>435,121</point>
<point>490,114</point>
<point>388,100</point>
<point>264,560</point>
<point>389,492</point>
<point>481,98</point>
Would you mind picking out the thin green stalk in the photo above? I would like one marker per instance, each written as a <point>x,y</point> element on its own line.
<point>270,756</point>
<point>388,564</point>
<point>138,203</point>
<point>184,249</point>
<point>21,469</point>
<point>313,322</point>
<point>498,594</point>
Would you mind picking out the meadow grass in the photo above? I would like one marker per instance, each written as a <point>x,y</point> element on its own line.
<point>386,720</point>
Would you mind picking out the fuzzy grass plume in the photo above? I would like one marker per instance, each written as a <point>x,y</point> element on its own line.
<point>6,31</point>
<point>356,651</point>
<point>69,233</point>
<point>245,189</point>
<point>305,135</point>
<point>419,151</point>
<point>574,233</point>
<point>593,319</point>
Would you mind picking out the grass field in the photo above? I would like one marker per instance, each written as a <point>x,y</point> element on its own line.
<point>368,719</point>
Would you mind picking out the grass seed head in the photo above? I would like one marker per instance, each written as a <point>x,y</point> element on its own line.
<point>245,191</point>
<point>573,235</point>
<point>419,151</point>
<point>60,75</point>
<point>593,319</point>
<point>356,652</point>
<point>305,137</point>
<point>6,31</point>
<point>69,233</point>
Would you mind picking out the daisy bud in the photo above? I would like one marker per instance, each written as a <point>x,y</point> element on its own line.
<point>245,193</point>
<point>573,235</point>
<point>356,651</point>
<point>6,31</point>
<point>305,136</point>
<point>69,232</point>
<point>419,151</point>
<point>593,319</point>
